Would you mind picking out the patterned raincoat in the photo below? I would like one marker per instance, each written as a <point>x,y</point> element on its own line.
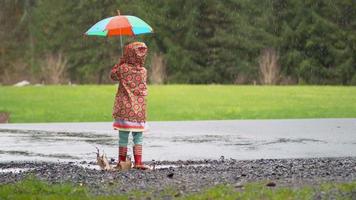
<point>129,109</point>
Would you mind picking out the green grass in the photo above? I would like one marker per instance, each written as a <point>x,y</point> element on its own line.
<point>34,189</point>
<point>180,102</point>
<point>259,191</point>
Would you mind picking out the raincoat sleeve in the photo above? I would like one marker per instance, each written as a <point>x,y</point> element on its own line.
<point>115,73</point>
<point>145,93</point>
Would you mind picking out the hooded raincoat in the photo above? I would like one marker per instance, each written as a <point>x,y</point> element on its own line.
<point>129,109</point>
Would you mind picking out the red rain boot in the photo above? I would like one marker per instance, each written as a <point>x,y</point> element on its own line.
<point>123,163</point>
<point>137,151</point>
<point>122,154</point>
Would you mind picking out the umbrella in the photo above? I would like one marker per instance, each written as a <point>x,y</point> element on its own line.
<point>118,26</point>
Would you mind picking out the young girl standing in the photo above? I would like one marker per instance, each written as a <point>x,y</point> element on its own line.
<point>129,109</point>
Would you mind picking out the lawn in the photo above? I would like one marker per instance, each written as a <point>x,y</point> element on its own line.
<point>34,189</point>
<point>180,102</point>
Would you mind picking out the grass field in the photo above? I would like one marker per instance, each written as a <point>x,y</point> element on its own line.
<point>34,189</point>
<point>180,102</point>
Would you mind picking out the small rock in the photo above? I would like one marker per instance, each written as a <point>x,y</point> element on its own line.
<point>271,184</point>
<point>22,83</point>
<point>178,194</point>
<point>170,175</point>
<point>239,185</point>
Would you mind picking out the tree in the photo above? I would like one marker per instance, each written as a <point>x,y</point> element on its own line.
<point>14,41</point>
<point>314,45</point>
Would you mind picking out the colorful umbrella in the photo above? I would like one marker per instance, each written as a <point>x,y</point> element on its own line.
<point>119,25</point>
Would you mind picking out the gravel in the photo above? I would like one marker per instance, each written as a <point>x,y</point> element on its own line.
<point>188,176</point>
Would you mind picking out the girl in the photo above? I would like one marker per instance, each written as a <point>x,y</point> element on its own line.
<point>130,104</point>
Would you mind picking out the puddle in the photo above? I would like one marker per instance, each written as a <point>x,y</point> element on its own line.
<point>249,144</point>
<point>48,136</point>
<point>31,154</point>
<point>297,140</point>
<point>171,141</point>
<point>53,133</point>
<point>206,139</point>
<point>243,144</point>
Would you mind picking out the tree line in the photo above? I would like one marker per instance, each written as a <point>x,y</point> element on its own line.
<point>194,41</point>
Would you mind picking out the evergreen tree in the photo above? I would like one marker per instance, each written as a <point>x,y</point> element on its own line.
<point>202,41</point>
<point>314,47</point>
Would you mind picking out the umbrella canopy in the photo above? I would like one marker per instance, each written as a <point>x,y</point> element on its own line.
<point>119,25</point>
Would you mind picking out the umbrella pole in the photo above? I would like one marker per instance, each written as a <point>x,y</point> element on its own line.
<point>122,51</point>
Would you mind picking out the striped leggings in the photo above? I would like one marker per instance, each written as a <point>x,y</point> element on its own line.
<point>124,138</point>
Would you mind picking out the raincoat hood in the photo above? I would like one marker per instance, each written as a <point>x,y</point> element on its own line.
<point>134,54</point>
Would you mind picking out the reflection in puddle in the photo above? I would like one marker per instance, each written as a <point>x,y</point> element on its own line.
<point>156,146</point>
<point>245,143</point>
<point>230,140</point>
<point>51,137</point>
<point>297,140</point>
<point>53,133</point>
<point>206,138</point>
<point>31,154</point>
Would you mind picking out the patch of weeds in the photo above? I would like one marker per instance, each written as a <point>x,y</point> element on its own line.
<point>32,188</point>
<point>260,191</point>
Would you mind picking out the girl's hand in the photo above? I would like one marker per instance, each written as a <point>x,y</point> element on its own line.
<point>114,73</point>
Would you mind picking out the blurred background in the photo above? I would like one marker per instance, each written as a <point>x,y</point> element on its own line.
<point>195,42</point>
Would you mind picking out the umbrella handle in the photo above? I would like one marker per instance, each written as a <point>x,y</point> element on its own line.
<point>122,52</point>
